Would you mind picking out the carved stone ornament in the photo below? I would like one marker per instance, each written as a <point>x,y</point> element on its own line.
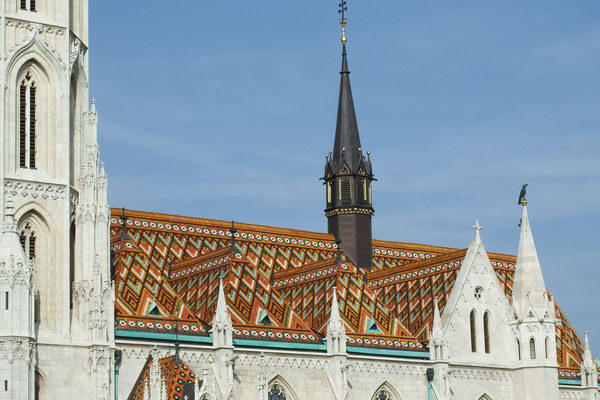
<point>12,349</point>
<point>35,33</point>
<point>17,272</point>
<point>34,190</point>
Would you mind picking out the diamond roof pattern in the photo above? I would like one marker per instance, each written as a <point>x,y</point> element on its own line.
<point>173,263</point>
<point>175,375</point>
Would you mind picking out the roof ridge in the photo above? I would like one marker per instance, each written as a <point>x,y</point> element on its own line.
<point>415,264</point>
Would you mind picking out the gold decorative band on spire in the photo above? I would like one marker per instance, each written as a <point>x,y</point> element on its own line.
<point>524,202</point>
<point>343,23</point>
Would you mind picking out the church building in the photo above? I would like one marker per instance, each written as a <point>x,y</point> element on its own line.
<point>108,303</point>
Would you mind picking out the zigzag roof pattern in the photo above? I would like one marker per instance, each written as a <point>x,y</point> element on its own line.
<point>175,374</point>
<point>369,323</point>
<point>141,287</point>
<point>257,310</point>
<point>405,276</point>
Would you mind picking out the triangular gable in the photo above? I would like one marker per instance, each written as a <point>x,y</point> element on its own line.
<point>409,290</point>
<point>176,375</point>
<point>368,321</point>
<point>249,295</point>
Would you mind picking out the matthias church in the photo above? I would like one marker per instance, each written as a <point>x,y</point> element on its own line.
<point>107,304</point>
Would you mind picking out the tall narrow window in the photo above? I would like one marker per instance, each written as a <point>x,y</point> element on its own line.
<point>518,349</point>
<point>28,5</point>
<point>6,300</point>
<point>532,348</point>
<point>23,126</point>
<point>547,345</point>
<point>473,332</point>
<point>27,122</point>
<point>486,331</point>
<point>28,240</point>
<point>32,91</point>
<point>361,191</point>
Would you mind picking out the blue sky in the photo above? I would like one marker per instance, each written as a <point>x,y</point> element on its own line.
<point>225,110</point>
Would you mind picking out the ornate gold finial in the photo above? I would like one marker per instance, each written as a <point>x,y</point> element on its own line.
<point>343,21</point>
<point>524,202</point>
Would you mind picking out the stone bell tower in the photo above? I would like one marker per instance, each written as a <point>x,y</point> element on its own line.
<point>54,193</point>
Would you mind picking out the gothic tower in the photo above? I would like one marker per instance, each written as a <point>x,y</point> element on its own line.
<point>348,177</point>
<point>51,176</point>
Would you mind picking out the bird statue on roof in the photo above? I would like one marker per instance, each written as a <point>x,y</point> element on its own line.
<point>523,193</point>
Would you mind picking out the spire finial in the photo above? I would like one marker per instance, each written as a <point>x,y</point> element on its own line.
<point>477,228</point>
<point>343,20</point>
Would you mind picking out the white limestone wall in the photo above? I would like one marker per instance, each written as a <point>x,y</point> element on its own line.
<point>65,372</point>
<point>302,375</point>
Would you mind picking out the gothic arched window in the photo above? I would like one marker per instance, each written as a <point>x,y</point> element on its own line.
<point>27,125</point>
<point>486,331</point>
<point>547,345</point>
<point>28,239</point>
<point>532,348</point>
<point>382,395</point>
<point>276,392</point>
<point>518,349</point>
<point>473,331</point>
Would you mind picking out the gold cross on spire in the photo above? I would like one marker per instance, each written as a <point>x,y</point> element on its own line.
<point>343,21</point>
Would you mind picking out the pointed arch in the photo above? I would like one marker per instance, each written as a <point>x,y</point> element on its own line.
<point>532,349</point>
<point>485,397</point>
<point>39,386</point>
<point>39,239</point>
<point>34,101</point>
<point>386,391</point>
<point>280,389</point>
<point>473,326</point>
<point>486,331</point>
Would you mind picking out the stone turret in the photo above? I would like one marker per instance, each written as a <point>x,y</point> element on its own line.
<point>17,336</point>
<point>534,321</point>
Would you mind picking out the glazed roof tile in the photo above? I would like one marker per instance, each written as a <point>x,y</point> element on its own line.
<point>249,294</point>
<point>368,321</point>
<point>175,374</point>
<point>405,276</point>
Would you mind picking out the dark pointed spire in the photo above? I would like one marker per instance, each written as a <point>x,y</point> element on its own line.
<point>348,175</point>
<point>347,146</point>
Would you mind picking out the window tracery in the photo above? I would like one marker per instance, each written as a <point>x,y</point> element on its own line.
<point>382,395</point>
<point>276,392</point>
<point>27,121</point>
<point>28,239</point>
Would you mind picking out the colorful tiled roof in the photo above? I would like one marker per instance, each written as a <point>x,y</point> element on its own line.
<point>368,321</point>
<point>175,374</point>
<point>257,310</point>
<point>405,278</point>
<point>142,288</point>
